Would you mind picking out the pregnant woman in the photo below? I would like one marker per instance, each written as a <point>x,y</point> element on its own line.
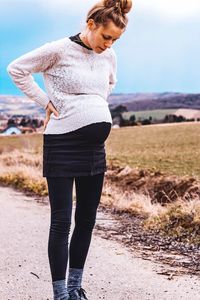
<point>79,74</point>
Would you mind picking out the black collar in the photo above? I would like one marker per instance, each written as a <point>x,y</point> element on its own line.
<point>76,39</point>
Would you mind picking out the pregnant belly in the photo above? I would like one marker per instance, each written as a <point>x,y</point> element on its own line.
<point>96,132</point>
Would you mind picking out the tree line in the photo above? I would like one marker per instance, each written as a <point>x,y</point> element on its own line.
<point>117,116</point>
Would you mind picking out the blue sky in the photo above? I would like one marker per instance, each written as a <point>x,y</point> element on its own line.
<point>159,52</point>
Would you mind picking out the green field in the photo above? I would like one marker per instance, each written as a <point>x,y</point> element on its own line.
<point>172,149</point>
<point>158,114</point>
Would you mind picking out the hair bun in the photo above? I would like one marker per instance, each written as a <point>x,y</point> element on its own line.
<point>122,6</point>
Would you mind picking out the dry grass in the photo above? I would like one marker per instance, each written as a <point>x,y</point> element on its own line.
<point>23,171</point>
<point>180,220</point>
<point>25,142</point>
<point>129,202</point>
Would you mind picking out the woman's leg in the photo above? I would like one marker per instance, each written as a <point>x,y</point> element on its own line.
<point>88,194</point>
<point>60,197</point>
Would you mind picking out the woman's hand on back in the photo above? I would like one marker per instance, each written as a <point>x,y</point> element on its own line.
<point>49,110</point>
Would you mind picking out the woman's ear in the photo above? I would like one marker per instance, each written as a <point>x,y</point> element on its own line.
<point>91,24</point>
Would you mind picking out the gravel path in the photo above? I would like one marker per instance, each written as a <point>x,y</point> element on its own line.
<point>111,272</point>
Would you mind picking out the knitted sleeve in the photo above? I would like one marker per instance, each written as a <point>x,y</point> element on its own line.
<point>35,61</point>
<point>113,73</point>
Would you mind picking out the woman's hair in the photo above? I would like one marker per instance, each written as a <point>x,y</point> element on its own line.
<point>110,10</point>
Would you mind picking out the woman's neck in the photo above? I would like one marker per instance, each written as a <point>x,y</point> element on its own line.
<point>83,37</point>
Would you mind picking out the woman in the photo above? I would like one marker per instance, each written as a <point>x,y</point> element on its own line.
<point>79,73</point>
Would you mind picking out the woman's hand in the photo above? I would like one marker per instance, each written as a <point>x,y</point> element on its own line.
<point>49,110</point>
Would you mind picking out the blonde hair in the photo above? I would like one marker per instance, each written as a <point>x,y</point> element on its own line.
<point>110,10</point>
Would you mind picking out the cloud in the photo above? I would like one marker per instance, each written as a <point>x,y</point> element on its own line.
<point>172,9</point>
<point>51,5</point>
<point>70,6</point>
<point>12,9</point>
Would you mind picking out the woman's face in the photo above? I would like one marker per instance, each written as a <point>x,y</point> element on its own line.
<point>100,37</point>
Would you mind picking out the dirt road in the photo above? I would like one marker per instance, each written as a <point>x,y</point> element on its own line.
<point>111,272</point>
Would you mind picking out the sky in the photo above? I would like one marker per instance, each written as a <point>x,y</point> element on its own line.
<point>159,51</point>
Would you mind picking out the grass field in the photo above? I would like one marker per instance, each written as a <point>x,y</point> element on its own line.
<point>172,149</point>
<point>23,142</point>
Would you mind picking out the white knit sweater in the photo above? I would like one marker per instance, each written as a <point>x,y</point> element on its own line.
<point>77,81</point>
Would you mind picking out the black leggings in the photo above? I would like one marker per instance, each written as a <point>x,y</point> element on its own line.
<point>88,194</point>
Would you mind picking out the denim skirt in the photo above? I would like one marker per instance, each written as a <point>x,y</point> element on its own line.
<point>77,153</point>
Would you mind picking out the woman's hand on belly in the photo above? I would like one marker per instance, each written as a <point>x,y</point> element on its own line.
<point>49,110</point>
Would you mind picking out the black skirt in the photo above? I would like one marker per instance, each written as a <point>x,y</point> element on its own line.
<point>77,153</point>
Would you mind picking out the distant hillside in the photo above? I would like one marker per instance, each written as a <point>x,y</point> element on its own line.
<point>14,105</point>
<point>152,101</point>
<point>133,102</point>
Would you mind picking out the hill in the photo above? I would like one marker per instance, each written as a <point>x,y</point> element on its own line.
<point>152,101</point>
<point>133,102</point>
